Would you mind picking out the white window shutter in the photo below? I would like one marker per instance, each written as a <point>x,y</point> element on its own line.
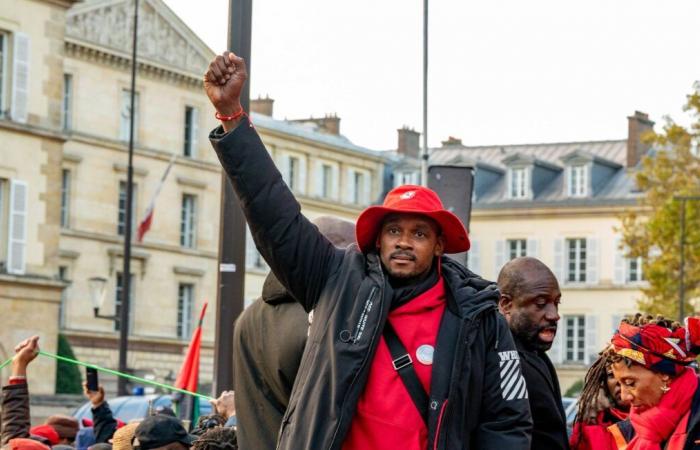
<point>616,318</point>
<point>556,352</point>
<point>250,250</point>
<point>17,245</point>
<point>302,175</point>
<point>559,263</point>
<point>366,188</point>
<point>591,338</point>
<point>619,277</point>
<point>500,257</point>
<point>398,179</point>
<point>20,78</point>
<point>591,261</point>
<point>349,185</point>
<point>317,170</point>
<point>335,181</point>
<point>283,165</point>
<point>473,258</point>
<point>533,248</point>
<point>194,133</point>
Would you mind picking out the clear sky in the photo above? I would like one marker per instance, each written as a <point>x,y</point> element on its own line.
<point>501,71</point>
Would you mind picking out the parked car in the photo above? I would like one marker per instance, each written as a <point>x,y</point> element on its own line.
<point>130,407</point>
<point>570,410</point>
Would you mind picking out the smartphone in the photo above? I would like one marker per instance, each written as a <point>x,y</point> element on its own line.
<point>91,376</point>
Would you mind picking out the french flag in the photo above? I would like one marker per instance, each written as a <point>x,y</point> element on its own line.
<point>145,224</point>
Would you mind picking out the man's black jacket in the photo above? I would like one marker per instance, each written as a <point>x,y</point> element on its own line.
<point>269,339</point>
<point>548,417</point>
<point>469,408</point>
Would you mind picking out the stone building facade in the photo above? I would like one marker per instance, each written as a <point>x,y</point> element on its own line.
<point>561,203</point>
<point>70,153</point>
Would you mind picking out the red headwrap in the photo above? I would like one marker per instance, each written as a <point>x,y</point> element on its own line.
<point>658,348</point>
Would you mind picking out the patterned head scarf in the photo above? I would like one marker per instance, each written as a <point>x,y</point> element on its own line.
<point>658,348</point>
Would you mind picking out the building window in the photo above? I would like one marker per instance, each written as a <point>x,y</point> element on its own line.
<point>578,180</point>
<point>358,182</point>
<point>66,115</point>
<point>253,258</point>
<point>125,116</point>
<point>191,131</point>
<point>185,300</point>
<point>518,183</point>
<point>63,276</point>
<point>402,178</point>
<point>576,260</point>
<point>293,173</point>
<point>65,198</point>
<point>327,184</point>
<point>4,214</point>
<point>188,221</point>
<point>635,273</point>
<point>517,248</point>
<point>121,214</point>
<point>575,333</point>
<point>118,301</point>
<point>3,72</point>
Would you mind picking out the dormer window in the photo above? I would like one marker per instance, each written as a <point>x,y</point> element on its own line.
<point>578,180</point>
<point>518,185</point>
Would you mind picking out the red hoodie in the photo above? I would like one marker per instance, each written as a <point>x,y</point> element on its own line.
<point>386,416</point>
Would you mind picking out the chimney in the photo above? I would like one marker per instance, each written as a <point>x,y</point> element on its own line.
<point>452,141</point>
<point>329,124</point>
<point>262,106</point>
<point>639,126</point>
<point>409,142</point>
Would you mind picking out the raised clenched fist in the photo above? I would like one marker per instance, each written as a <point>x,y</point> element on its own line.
<point>223,82</point>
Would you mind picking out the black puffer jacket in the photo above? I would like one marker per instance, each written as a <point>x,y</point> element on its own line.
<point>469,408</point>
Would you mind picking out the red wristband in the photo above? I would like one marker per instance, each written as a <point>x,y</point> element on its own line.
<point>235,116</point>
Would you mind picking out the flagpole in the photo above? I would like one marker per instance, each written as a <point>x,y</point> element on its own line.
<point>126,272</point>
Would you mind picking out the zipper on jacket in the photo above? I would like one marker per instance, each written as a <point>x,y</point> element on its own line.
<point>364,362</point>
<point>439,424</point>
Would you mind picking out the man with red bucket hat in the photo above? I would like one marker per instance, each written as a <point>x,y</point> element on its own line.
<point>406,349</point>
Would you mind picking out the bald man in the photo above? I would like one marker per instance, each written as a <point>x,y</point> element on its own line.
<point>529,299</point>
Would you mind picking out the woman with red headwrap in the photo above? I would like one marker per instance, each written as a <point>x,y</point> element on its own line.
<point>651,361</point>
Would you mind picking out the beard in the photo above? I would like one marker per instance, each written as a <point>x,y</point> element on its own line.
<point>528,333</point>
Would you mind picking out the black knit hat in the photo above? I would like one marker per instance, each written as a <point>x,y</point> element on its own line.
<point>157,431</point>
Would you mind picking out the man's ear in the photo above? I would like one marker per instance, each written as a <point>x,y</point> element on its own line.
<point>505,303</point>
<point>440,246</point>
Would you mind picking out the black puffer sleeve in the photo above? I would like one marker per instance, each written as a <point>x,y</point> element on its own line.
<point>298,254</point>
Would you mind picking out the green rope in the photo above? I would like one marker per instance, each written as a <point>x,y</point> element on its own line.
<point>119,374</point>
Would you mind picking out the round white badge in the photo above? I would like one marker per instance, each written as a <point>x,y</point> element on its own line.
<point>424,354</point>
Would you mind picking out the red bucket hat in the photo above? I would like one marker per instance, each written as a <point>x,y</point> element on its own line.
<point>413,200</point>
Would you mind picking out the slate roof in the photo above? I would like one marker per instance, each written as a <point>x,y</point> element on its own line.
<point>310,132</point>
<point>616,187</point>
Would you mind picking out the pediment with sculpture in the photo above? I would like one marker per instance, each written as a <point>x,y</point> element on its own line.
<point>162,38</point>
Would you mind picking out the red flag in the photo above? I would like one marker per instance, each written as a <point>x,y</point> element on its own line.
<point>145,224</point>
<point>189,372</point>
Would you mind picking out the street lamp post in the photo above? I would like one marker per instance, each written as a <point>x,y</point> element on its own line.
<point>681,289</point>
<point>98,290</point>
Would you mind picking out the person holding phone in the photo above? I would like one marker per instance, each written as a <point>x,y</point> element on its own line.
<point>104,423</point>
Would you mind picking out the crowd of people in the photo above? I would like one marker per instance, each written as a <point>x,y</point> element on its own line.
<point>368,337</point>
<point>160,430</point>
